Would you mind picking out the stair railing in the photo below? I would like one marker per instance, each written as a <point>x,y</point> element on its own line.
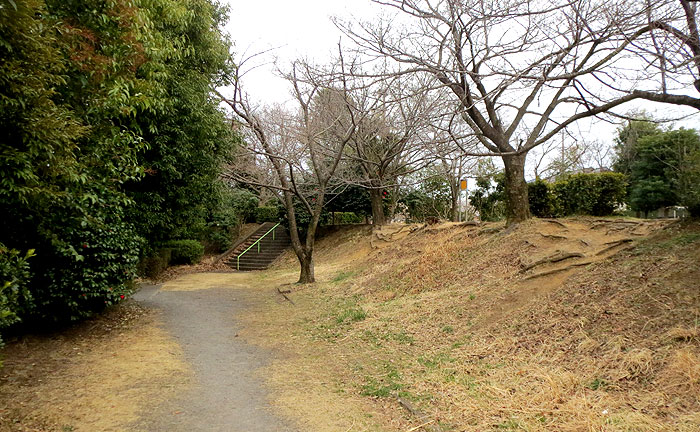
<point>257,242</point>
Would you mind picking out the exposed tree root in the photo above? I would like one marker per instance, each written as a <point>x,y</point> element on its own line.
<point>617,221</point>
<point>492,230</point>
<point>561,256</point>
<point>555,222</point>
<point>428,425</point>
<point>613,245</point>
<point>284,294</point>
<point>470,223</point>
<point>559,270</point>
<point>390,236</point>
<point>615,230</point>
<point>554,236</point>
<point>616,225</point>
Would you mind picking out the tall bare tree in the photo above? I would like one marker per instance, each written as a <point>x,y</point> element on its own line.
<point>451,143</point>
<point>670,52</point>
<point>291,153</point>
<point>520,71</point>
<point>386,143</point>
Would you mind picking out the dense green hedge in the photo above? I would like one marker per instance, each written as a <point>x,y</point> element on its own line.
<point>14,277</point>
<point>184,251</point>
<point>267,214</point>
<point>345,218</point>
<point>542,202</point>
<point>111,144</point>
<point>153,265</point>
<point>597,194</point>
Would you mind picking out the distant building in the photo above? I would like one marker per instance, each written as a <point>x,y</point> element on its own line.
<point>670,212</point>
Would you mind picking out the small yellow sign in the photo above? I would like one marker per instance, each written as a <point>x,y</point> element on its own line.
<point>463,185</point>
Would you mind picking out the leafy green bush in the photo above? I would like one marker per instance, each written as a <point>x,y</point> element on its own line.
<point>185,251</point>
<point>542,202</point>
<point>154,265</point>
<point>14,278</point>
<point>344,218</point>
<point>83,263</point>
<point>105,120</point>
<point>597,194</point>
<point>666,171</point>
<point>353,199</point>
<point>218,239</point>
<point>489,198</point>
<point>267,214</point>
<point>235,206</point>
<point>244,204</point>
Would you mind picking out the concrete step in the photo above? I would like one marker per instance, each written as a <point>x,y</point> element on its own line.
<point>255,256</point>
<point>270,250</point>
<point>263,243</point>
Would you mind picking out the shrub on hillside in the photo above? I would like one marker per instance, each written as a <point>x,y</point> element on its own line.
<point>85,265</point>
<point>597,194</point>
<point>234,208</point>
<point>153,266</point>
<point>542,201</point>
<point>14,279</point>
<point>267,214</point>
<point>345,218</point>
<point>184,251</point>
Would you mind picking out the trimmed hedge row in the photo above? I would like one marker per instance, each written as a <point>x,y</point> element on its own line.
<point>171,252</point>
<point>184,251</point>
<point>597,194</point>
<point>267,214</point>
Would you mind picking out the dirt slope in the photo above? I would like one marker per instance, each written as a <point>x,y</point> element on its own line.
<point>561,325</point>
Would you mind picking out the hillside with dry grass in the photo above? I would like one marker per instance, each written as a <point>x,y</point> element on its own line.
<point>551,325</point>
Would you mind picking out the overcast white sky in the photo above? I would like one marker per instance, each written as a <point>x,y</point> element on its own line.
<point>302,28</point>
<point>294,28</point>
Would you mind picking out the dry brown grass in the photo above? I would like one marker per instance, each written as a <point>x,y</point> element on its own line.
<point>98,376</point>
<point>442,316</point>
<point>451,324</point>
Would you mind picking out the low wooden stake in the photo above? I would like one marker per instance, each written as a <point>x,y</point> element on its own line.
<point>284,294</point>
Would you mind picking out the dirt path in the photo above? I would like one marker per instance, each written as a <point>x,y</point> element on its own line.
<point>225,395</point>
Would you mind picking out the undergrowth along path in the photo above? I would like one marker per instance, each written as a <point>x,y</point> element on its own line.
<point>226,394</point>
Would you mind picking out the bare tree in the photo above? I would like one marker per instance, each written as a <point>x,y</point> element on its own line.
<point>451,143</point>
<point>386,143</point>
<point>520,71</point>
<point>670,51</point>
<point>567,154</point>
<point>291,153</point>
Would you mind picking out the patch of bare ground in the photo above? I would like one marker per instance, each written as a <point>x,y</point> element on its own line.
<point>554,325</point>
<point>209,263</point>
<point>97,376</point>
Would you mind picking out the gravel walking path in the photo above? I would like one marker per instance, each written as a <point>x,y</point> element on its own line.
<point>226,395</point>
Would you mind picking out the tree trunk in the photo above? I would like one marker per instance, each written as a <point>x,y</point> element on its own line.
<point>454,191</point>
<point>376,198</point>
<point>304,252</point>
<point>517,204</point>
<point>306,275</point>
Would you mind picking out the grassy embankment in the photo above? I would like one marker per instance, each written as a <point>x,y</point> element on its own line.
<point>568,325</point>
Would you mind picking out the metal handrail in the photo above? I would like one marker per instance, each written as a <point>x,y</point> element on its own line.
<point>238,259</point>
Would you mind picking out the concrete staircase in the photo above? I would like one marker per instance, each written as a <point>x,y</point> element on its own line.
<point>270,249</point>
